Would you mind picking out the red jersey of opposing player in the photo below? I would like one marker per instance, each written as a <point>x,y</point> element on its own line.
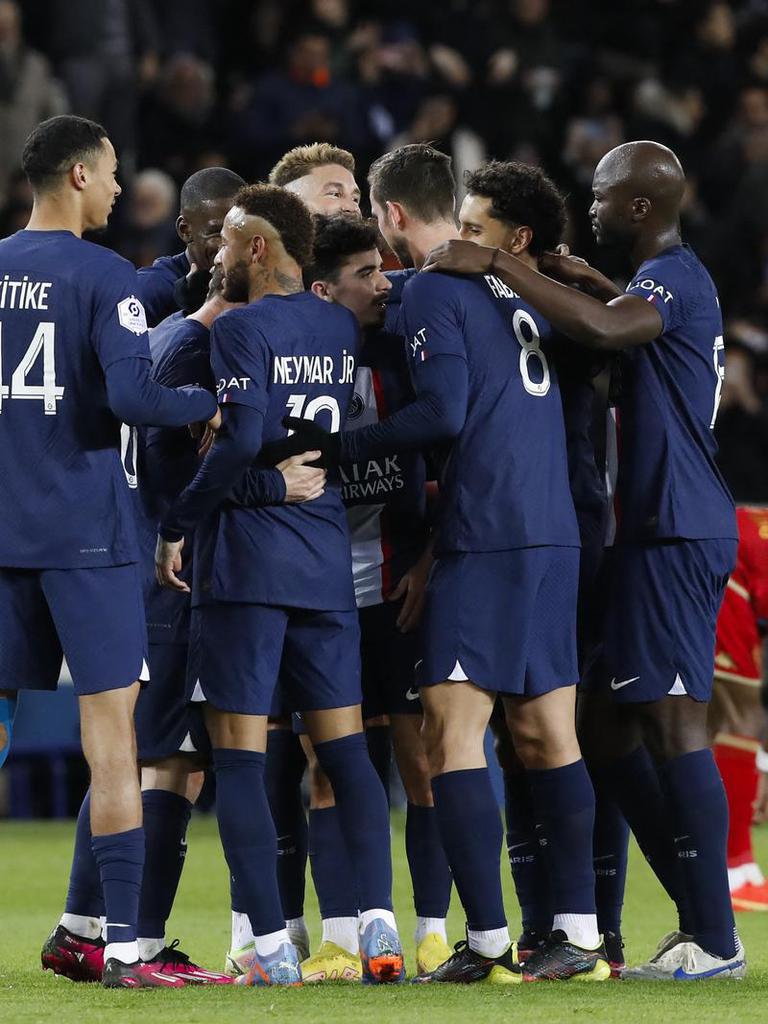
<point>744,613</point>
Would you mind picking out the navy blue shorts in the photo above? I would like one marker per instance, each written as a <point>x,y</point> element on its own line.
<point>388,658</point>
<point>505,620</point>
<point>92,617</point>
<point>166,723</point>
<point>661,610</point>
<point>238,651</point>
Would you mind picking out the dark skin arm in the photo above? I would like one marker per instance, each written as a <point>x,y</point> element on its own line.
<point>624,321</point>
<point>577,272</point>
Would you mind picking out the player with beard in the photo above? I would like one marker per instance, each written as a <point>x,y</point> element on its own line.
<point>181,282</point>
<point>385,500</point>
<point>322,176</point>
<point>273,586</point>
<point>675,540</point>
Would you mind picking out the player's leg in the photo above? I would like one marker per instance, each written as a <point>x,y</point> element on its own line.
<point>544,734</point>
<point>456,716</point>
<point>430,874</point>
<point>238,690</point>
<point>338,956</point>
<point>322,658</point>
<point>680,587</point>
<point>339,741</point>
<point>737,720</point>
<point>173,753</point>
<point>526,855</point>
<point>286,764</point>
<point>99,617</point>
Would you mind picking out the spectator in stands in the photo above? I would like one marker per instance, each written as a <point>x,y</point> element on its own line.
<point>150,227</point>
<point>742,429</point>
<point>180,123</point>
<point>300,101</point>
<point>28,92</point>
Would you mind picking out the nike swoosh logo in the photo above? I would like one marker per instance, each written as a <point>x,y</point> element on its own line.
<point>411,695</point>
<point>606,856</point>
<point>682,975</point>
<point>516,847</point>
<point>417,664</point>
<point>624,682</point>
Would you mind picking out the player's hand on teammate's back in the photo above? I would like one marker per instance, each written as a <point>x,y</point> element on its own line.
<point>575,271</point>
<point>303,481</point>
<point>168,563</point>
<point>457,256</point>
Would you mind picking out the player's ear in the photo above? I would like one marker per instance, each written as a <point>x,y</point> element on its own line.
<point>320,289</point>
<point>258,248</point>
<point>641,207</point>
<point>183,230</point>
<point>520,240</point>
<point>79,176</point>
<point>396,214</point>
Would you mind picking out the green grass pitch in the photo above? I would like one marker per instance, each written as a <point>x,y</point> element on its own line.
<point>34,863</point>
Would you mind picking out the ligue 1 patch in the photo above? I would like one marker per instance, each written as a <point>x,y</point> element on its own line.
<point>131,315</point>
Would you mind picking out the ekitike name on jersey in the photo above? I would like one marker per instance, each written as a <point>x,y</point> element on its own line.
<point>371,479</point>
<point>313,369</point>
<point>23,294</point>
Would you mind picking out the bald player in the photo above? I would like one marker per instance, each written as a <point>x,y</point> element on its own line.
<point>674,533</point>
<point>322,176</point>
<point>180,282</point>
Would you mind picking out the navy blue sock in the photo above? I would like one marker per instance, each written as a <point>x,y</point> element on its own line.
<point>430,874</point>
<point>379,743</point>
<point>332,871</point>
<point>564,805</point>
<point>363,816</point>
<point>248,835</point>
<point>634,784</point>
<point>699,813</point>
<point>84,894</point>
<point>610,850</point>
<point>120,857</point>
<point>285,767</point>
<point>470,828</point>
<point>166,816</point>
<point>526,856</point>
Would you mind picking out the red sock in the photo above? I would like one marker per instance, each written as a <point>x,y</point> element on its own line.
<point>736,761</point>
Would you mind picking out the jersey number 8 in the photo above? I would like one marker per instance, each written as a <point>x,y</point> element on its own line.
<point>530,350</point>
<point>47,392</point>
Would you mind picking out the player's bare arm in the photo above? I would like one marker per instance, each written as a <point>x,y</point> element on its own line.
<point>623,322</point>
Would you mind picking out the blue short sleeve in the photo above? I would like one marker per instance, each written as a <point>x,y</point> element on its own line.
<point>240,359</point>
<point>119,326</point>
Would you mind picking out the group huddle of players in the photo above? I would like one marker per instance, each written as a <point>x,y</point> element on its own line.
<point>341,605</point>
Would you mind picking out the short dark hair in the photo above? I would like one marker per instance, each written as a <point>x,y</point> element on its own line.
<point>522,194</point>
<point>56,145</point>
<point>208,184</point>
<point>287,215</point>
<point>418,176</point>
<point>336,239</point>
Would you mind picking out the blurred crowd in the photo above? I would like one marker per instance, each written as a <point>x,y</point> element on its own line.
<point>182,84</point>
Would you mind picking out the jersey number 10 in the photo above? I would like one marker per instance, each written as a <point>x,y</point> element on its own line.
<point>47,392</point>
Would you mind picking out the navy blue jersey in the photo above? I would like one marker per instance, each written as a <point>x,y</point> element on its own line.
<point>668,484</point>
<point>156,285</point>
<point>167,461</point>
<point>504,481</point>
<point>398,279</point>
<point>385,496</point>
<point>68,310</point>
<point>289,355</point>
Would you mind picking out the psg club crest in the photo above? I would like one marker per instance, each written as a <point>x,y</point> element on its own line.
<point>356,407</point>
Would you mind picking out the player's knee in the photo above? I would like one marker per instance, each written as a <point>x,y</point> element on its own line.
<point>414,769</point>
